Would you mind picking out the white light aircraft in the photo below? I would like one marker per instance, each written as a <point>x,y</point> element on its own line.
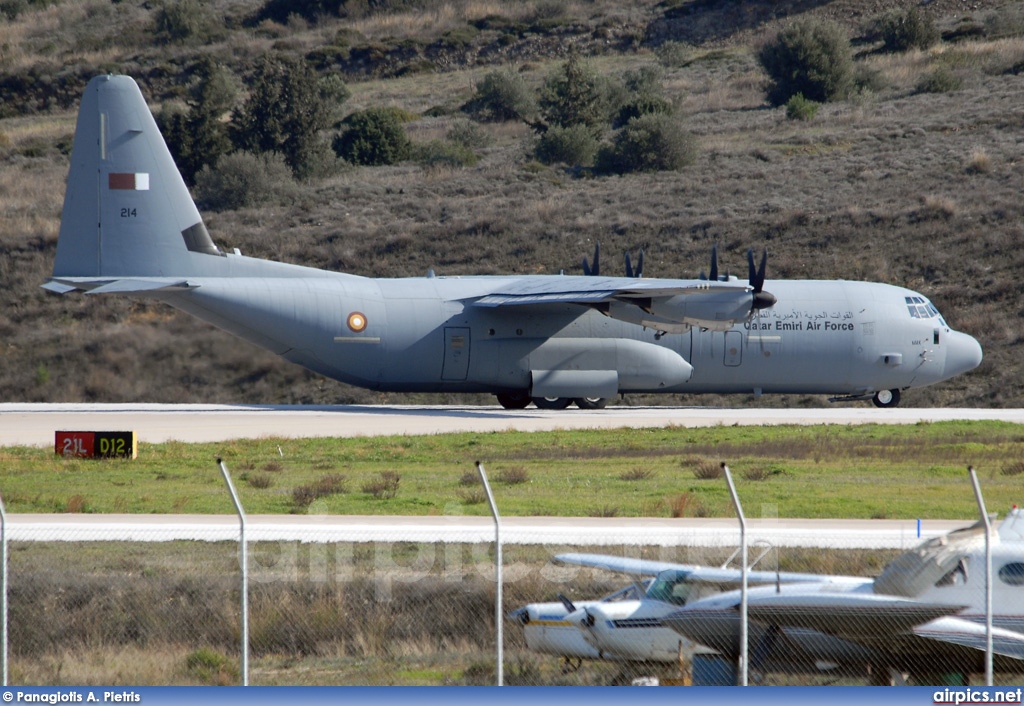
<point>626,626</point>
<point>923,617</point>
<point>130,227</point>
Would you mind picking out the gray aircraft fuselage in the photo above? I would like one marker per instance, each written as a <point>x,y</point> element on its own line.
<point>832,337</point>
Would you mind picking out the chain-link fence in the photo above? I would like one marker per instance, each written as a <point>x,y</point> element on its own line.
<point>143,605</point>
<point>374,613</point>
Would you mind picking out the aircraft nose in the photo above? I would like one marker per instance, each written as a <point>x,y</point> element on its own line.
<point>962,354</point>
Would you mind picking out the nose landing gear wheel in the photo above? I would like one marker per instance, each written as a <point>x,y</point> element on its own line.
<point>886,398</point>
<point>551,402</point>
<point>591,402</point>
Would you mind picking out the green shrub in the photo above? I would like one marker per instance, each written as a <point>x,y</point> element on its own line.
<point>438,153</point>
<point>575,95</point>
<point>211,667</point>
<point>244,179</point>
<point>373,137</point>
<point>641,105</point>
<point>287,109</point>
<point>811,57</point>
<point>941,80</point>
<point>468,134</point>
<point>502,95</point>
<point>902,31</point>
<point>186,22</point>
<point>572,145</point>
<point>799,108</point>
<point>650,143</point>
<point>674,55</point>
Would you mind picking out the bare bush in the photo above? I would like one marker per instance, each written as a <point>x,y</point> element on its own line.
<point>1014,469</point>
<point>703,469</point>
<point>261,481</point>
<point>637,474</point>
<point>384,487</point>
<point>513,476</point>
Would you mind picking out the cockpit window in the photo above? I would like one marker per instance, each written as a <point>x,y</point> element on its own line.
<point>921,308</point>
<point>956,577</point>
<point>1012,574</point>
<point>670,587</point>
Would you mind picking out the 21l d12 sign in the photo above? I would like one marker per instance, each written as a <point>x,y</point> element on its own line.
<point>96,444</point>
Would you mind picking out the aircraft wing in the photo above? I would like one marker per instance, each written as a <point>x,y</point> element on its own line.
<point>661,303</point>
<point>121,285</point>
<point>539,290</point>
<point>858,617</point>
<point>726,578</point>
<point>966,633</point>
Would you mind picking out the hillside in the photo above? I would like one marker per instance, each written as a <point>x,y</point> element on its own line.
<point>919,189</point>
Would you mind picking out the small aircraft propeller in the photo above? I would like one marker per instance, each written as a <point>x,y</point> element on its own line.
<point>567,603</point>
<point>596,269</point>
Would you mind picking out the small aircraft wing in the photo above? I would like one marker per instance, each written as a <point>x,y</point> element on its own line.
<point>621,564</point>
<point>957,631</point>
<point>889,623</point>
<point>725,578</point>
<point>106,285</point>
<point>858,617</point>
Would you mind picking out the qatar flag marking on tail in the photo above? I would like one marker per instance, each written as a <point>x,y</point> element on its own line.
<point>130,182</point>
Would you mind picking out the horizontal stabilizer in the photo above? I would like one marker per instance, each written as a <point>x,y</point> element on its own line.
<point>105,285</point>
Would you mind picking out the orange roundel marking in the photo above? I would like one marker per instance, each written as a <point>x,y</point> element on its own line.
<point>356,321</point>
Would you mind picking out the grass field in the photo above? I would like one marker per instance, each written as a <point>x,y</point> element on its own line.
<point>869,471</point>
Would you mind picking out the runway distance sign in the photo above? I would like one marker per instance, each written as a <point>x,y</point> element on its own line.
<point>96,444</point>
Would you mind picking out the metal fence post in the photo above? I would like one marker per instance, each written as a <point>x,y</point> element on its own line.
<point>988,574</point>
<point>3,598</point>
<point>500,676</point>
<point>744,649</point>
<point>244,560</point>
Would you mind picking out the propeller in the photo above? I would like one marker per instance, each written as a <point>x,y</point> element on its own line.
<point>639,272</point>
<point>762,299</point>
<point>596,269</point>
<point>569,606</point>
<point>714,267</point>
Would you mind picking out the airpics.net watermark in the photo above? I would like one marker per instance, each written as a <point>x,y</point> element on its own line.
<point>967,696</point>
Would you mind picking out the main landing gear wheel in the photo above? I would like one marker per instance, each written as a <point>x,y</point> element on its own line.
<point>886,398</point>
<point>591,402</point>
<point>552,402</point>
<point>515,400</point>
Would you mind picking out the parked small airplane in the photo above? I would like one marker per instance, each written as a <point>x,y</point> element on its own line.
<point>130,227</point>
<point>626,626</point>
<point>924,616</point>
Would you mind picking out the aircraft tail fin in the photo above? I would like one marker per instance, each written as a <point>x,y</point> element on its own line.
<point>127,210</point>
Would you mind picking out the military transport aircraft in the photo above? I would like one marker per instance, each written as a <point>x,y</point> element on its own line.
<point>924,616</point>
<point>130,227</point>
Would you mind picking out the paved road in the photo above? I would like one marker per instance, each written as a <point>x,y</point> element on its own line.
<point>35,424</point>
<point>567,533</point>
